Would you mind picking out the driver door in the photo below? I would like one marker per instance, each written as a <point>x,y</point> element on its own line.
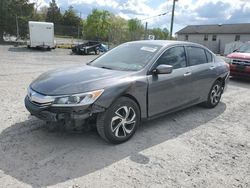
<point>167,92</point>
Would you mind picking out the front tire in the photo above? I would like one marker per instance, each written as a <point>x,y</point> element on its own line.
<point>119,122</point>
<point>214,95</point>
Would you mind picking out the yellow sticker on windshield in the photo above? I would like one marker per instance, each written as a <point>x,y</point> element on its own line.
<point>148,49</point>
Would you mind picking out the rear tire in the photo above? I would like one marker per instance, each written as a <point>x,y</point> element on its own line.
<point>119,122</point>
<point>214,95</point>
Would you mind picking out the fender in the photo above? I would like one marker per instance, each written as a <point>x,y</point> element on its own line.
<point>135,88</point>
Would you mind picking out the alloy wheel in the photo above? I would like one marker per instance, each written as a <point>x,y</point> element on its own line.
<point>123,122</point>
<point>216,94</point>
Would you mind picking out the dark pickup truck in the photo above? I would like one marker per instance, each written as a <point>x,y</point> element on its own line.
<point>89,47</point>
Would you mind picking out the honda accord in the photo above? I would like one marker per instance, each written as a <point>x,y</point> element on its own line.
<point>135,81</point>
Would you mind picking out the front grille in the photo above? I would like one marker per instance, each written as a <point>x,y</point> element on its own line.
<point>39,99</point>
<point>40,104</point>
<point>241,62</point>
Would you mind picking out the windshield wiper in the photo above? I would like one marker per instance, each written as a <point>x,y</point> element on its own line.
<point>107,68</point>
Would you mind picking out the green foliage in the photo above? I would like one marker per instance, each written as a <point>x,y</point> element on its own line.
<point>3,17</point>
<point>53,14</point>
<point>98,24</point>
<point>18,11</point>
<point>160,34</point>
<point>118,30</point>
<point>136,29</point>
<point>70,17</point>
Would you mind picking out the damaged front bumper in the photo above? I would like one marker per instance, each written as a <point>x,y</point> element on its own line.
<point>55,114</point>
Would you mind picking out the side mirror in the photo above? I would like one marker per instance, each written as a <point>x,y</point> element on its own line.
<point>163,69</point>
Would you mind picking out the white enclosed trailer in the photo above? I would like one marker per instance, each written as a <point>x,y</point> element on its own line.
<point>41,35</point>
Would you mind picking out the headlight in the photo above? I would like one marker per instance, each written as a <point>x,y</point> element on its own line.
<point>78,99</point>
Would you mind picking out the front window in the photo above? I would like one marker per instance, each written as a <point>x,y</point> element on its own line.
<point>127,57</point>
<point>174,56</point>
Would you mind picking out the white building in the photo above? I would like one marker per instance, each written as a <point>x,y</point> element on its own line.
<point>215,36</point>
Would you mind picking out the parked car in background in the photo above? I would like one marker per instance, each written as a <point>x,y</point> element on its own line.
<point>89,47</point>
<point>239,61</point>
<point>133,82</point>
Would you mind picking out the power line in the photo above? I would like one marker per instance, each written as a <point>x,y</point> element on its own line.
<point>155,16</point>
<point>146,24</point>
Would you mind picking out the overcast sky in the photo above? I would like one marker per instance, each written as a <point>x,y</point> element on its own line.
<point>187,12</point>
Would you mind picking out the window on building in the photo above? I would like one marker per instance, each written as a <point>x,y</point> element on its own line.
<point>214,38</point>
<point>174,56</point>
<point>196,56</point>
<point>186,37</point>
<point>237,37</point>
<point>205,37</point>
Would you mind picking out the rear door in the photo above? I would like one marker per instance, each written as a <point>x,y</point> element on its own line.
<point>202,65</point>
<point>169,91</point>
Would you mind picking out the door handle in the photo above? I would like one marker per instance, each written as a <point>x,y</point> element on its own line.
<point>212,67</point>
<point>187,74</point>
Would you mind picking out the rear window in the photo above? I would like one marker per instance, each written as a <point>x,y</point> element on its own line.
<point>209,56</point>
<point>196,55</point>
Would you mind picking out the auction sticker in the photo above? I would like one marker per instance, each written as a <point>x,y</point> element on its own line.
<point>148,49</point>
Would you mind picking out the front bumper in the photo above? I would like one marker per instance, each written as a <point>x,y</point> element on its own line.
<point>54,114</point>
<point>241,71</point>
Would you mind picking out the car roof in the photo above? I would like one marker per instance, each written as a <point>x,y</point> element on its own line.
<point>165,43</point>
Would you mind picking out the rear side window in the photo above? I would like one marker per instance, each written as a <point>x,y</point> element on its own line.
<point>174,56</point>
<point>209,56</point>
<point>196,55</point>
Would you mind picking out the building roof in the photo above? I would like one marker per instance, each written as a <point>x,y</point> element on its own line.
<point>243,28</point>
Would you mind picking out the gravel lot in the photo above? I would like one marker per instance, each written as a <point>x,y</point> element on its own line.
<point>195,147</point>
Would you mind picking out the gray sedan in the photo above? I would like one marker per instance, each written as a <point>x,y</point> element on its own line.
<point>133,82</point>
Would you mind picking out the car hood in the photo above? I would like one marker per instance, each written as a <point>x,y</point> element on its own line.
<point>74,80</point>
<point>238,55</point>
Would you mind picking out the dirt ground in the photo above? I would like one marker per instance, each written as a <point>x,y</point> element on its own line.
<point>195,147</point>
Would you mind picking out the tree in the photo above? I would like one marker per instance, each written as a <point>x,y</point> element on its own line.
<point>3,16</point>
<point>136,29</point>
<point>18,11</point>
<point>42,13</point>
<point>118,30</point>
<point>98,25</point>
<point>160,34</point>
<point>54,14</point>
<point>70,17</point>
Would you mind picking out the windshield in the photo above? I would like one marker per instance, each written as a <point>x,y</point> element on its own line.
<point>244,48</point>
<point>127,57</point>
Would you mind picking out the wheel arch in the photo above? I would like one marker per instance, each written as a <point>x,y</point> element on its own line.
<point>134,99</point>
<point>222,80</point>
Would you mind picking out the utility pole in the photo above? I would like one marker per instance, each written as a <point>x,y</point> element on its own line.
<point>172,19</point>
<point>146,30</point>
